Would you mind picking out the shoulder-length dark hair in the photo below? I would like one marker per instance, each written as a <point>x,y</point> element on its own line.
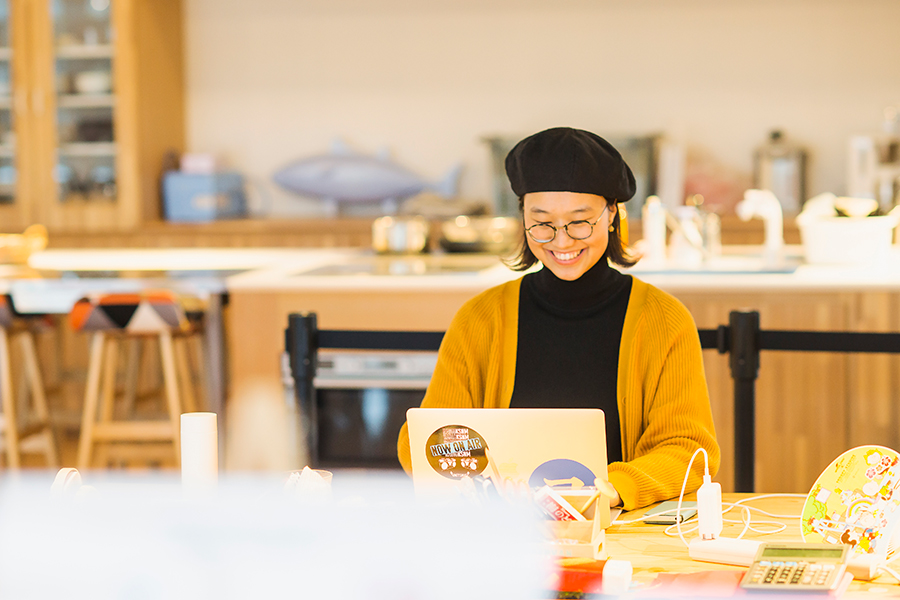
<point>616,251</point>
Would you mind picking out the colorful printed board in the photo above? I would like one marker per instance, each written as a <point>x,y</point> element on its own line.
<point>856,501</point>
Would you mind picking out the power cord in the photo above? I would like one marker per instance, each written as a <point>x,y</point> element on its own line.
<point>678,528</point>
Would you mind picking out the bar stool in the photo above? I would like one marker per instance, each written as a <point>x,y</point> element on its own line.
<point>112,318</point>
<point>18,428</point>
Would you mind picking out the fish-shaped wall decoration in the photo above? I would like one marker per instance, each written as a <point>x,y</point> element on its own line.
<point>345,176</point>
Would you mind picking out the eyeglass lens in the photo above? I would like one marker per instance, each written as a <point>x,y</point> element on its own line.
<point>577,230</point>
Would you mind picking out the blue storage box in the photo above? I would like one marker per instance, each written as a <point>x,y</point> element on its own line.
<point>195,197</point>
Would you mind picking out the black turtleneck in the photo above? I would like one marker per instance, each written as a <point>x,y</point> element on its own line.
<point>567,354</point>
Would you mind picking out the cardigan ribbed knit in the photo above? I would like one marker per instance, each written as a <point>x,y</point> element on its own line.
<point>663,401</point>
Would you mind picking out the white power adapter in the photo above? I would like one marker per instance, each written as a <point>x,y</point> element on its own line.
<point>709,509</point>
<point>709,547</point>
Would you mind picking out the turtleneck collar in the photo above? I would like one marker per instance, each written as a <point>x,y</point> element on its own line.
<point>590,292</point>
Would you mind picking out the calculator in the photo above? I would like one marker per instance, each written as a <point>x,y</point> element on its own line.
<point>785,567</point>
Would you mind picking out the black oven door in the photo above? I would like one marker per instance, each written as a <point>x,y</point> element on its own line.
<point>358,427</point>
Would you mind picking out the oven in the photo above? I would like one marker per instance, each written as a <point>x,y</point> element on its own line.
<point>361,399</point>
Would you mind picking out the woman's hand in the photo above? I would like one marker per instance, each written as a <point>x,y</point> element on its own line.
<point>609,491</point>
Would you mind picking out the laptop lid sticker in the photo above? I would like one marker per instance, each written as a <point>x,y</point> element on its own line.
<point>456,451</point>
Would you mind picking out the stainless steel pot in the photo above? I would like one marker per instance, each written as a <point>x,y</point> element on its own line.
<point>496,235</point>
<point>400,235</point>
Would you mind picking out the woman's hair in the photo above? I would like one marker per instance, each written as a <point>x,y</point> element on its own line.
<point>616,252</point>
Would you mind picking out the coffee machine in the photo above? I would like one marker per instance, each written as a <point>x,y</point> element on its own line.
<point>874,163</point>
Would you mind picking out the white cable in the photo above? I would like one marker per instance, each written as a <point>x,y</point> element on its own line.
<point>747,519</point>
<point>768,514</point>
<point>687,474</point>
<point>889,571</point>
<point>746,515</point>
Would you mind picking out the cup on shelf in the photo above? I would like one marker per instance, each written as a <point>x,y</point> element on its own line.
<point>92,82</point>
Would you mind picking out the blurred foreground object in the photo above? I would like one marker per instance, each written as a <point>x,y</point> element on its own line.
<point>17,247</point>
<point>140,538</point>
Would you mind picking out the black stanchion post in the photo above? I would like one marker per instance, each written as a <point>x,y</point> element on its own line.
<point>301,343</point>
<point>744,334</point>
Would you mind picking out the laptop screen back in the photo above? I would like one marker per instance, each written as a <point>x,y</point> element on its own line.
<point>564,448</point>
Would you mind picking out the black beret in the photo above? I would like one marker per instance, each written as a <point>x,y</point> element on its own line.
<point>563,159</point>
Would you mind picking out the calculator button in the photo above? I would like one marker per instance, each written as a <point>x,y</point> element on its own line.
<point>765,563</point>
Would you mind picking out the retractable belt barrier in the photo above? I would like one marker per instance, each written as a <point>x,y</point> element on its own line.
<point>743,340</point>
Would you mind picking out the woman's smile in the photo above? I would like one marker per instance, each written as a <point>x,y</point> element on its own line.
<point>566,258</point>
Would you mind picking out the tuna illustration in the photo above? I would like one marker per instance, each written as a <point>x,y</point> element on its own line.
<point>345,176</point>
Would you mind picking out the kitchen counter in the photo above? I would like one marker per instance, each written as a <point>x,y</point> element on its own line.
<point>739,268</point>
<point>810,406</point>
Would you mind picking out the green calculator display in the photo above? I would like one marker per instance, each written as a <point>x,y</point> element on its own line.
<point>798,567</point>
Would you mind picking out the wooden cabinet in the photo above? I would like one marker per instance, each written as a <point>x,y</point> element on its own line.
<point>96,100</point>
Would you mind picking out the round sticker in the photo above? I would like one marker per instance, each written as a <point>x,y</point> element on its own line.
<point>561,473</point>
<point>456,451</point>
<point>856,501</point>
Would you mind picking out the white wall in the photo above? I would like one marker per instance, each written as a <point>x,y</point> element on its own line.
<point>269,81</point>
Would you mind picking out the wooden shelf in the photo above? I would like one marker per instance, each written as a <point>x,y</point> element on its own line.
<point>76,52</point>
<point>88,149</point>
<point>83,101</point>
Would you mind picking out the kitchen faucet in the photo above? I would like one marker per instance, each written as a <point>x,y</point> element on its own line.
<point>764,204</point>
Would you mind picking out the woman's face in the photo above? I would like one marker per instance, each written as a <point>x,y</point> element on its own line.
<point>567,258</point>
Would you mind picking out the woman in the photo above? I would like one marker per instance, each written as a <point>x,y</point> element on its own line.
<point>578,333</point>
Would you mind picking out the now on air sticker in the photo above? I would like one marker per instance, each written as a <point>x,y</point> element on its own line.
<point>456,451</point>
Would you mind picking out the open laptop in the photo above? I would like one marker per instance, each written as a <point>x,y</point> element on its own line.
<point>564,448</point>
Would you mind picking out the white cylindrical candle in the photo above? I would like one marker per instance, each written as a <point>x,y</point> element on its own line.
<point>199,452</point>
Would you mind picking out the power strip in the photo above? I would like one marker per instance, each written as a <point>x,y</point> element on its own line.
<point>726,551</point>
<point>864,567</point>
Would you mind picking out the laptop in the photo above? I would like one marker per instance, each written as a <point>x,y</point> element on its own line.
<point>564,448</point>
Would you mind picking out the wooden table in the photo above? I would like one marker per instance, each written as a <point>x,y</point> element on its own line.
<point>651,552</point>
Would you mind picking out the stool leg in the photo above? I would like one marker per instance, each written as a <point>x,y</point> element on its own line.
<point>109,379</point>
<point>91,397</point>
<point>36,383</point>
<point>133,351</point>
<point>108,393</point>
<point>9,404</point>
<point>171,382</point>
<point>184,374</point>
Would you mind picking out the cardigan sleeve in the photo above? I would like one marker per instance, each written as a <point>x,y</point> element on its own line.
<point>670,388</point>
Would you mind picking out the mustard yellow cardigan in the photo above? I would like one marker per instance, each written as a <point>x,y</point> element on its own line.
<point>664,410</point>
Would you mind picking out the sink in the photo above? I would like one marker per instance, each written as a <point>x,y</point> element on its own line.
<point>406,265</point>
<point>721,265</point>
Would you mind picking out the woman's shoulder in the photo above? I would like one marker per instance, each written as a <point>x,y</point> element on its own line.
<point>654,301</point>
<point>491,303</point>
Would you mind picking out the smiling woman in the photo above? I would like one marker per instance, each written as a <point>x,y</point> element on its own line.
<point>585,235</point>
<point>578,333</point>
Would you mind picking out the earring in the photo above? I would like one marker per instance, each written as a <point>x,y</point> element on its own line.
<point>612,228</point>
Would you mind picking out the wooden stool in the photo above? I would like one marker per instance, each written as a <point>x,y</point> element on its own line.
<point>18,428</point>
<point>132,317</point>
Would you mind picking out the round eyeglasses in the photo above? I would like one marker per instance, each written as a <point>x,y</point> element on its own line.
<point>543,233</point>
